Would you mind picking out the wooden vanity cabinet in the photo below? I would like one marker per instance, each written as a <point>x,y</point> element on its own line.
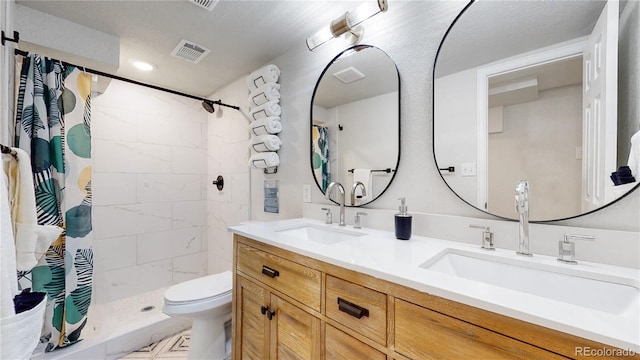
<point>289,306</point>
<point>272,328</point>
<point>425,334</point>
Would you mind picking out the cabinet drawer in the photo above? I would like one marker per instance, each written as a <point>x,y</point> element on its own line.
<point>360,308</point>
<point>297,281</point>
<point>423,333</point>
<point>339,345</point>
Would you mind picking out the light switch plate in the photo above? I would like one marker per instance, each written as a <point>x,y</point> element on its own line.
<point>306,193</point>
<point>468,169</point>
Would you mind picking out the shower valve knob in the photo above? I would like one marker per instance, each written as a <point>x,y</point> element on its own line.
<point>219,182</point>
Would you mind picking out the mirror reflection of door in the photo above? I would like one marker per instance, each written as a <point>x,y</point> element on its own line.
<point>535,133</point>
<point>545,123</point>
<point>551,100</point>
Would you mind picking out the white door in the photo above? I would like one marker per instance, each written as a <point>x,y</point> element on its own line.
<point>600,109</point>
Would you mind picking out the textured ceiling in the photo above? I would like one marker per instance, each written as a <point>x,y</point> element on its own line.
<point>493,30</point>
<point>243,35</point>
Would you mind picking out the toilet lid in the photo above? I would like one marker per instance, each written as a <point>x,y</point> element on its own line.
<point>201,288</point>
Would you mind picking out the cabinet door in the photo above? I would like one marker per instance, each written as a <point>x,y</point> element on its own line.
<point>252,330</point>
<point>425,334</point>
<point>340,346</point>
<point>295,334</point>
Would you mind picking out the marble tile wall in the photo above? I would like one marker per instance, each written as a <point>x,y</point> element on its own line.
<point>227,155</point>
<point>149,190</point>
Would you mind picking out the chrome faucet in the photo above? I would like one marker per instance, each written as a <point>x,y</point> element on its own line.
<point>522,207</point>
<point>353,191</point>
<point>327,195</point>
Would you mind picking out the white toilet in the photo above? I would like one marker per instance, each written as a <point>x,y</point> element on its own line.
<point>206,301</point>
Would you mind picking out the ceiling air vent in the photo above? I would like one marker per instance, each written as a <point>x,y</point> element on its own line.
<point>206,4</point>
<point>190,51</point>
<point>349,75</point>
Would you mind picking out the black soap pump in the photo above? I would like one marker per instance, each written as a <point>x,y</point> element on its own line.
<point>403,222</point>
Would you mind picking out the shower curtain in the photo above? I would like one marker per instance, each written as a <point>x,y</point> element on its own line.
<point>320,161</point>
<point>53,125</point>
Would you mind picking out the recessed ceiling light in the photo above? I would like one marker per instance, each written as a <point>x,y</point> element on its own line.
<point>142,65</point>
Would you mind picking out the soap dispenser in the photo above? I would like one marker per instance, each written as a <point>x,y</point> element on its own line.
<point>403,222</point>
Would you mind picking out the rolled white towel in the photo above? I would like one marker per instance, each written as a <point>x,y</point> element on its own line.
<point>270,108</point>
<point>264,143</point>
<point>269,73</point>
<point>268,125</point>
<point>265,93</point>
<point>264,160</point>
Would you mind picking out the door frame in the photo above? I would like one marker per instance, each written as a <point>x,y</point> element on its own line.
<point>560,51</point>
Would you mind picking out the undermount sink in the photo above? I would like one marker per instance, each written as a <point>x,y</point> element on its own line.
<point>615,295</point>
<point>319,233</point>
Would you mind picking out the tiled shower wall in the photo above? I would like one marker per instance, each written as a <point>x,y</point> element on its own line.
<point>228,156</point>
<point>149,190</point>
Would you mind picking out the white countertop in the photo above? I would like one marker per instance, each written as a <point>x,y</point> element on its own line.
<point>378,253</point>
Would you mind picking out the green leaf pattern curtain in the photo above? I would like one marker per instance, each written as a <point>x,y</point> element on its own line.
<point>320,155</point>
<point>53,125</point>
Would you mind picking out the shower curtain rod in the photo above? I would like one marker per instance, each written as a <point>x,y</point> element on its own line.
<point>100,73</point>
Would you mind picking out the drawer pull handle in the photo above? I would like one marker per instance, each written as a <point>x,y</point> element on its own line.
<point>352,309</point>
<point>264,309</point>
<point>270,272</point>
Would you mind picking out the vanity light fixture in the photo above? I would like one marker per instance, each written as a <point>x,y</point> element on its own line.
<point>347,24</point>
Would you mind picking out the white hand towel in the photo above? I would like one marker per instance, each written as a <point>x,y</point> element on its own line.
<point>20,334</point>
<point>267,92</point>
<point>364,176</point>
<point>268,125</point>
<point>270,108</point>
<point>8,276</point>
<point>32,240</point>
<point>264,143</point>
<point>266,74</point>
<point>634,156</point>
<point>264,160</point>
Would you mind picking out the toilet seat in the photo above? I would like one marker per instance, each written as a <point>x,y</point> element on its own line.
<point>204,289</point>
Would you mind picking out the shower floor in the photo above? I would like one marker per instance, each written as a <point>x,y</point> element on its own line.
<point>174,347</point>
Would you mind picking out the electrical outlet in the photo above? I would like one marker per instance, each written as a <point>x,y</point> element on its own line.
<point>306,193</point>
<point>468,169</point>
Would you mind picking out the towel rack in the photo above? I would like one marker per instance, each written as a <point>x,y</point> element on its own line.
<point>387,170</point>
<point>267,169</point>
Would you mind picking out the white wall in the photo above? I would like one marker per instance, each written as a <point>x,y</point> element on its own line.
<point>539,143</point>
<point>457,106</point>
<point>149,195</point>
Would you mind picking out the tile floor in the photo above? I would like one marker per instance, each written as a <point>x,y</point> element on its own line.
<point>175,347</point>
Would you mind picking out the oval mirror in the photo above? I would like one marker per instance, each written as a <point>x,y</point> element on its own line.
<point>539,91</point>
<point>355,124</point>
